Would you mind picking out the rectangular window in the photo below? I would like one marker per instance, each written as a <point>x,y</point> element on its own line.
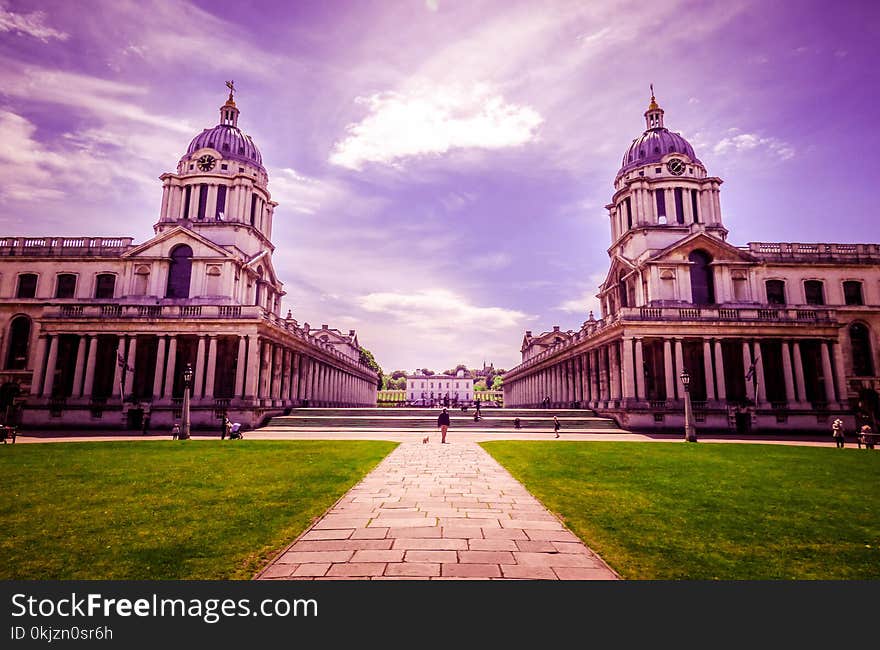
<point>679,205</point>
<point>221,203</point>
<point>694,207</point>
<point>66,286</point>
<point>629,214</point>
<point>105,285</point>
<point>661,202</point>
<point>775,292</point>
<point>203,201</point>
<point>852,293</point>
<point>187,195</point>
<point>813,292</point>
<point>253,208</point>
<point>27,285</point>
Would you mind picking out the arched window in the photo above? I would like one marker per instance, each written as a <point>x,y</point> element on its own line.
<point>105,285</point>
<point>814,292</point>
<point>19,342</point>
<point>66,287</point>
<point>860,339</point>
<point>702,281</point>
<point>141,280</point>
<point>179,272</point>
<point>775,292</point>
<point>258,290</point>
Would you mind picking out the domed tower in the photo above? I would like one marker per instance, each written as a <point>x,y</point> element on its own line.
<point>662,191</point>
<point>220,188</point>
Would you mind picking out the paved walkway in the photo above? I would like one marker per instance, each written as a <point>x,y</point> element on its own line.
<point>432,511</point>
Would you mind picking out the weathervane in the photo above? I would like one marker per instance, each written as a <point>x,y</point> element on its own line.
<point>231,86</point>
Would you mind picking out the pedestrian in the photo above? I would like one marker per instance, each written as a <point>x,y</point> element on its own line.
<point>146,425</point>
<point>476,416</point>
<point>477,405</point>
<point>556,425</point>
<point>175,431</point>
<point>443,423</point>
<point>837,432</point>
<point>547,402</point>
<point>867,437</point>
<point>517,424</point>
<point>227,428</point>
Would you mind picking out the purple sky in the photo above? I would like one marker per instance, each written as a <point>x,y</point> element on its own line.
<point>441,166</point>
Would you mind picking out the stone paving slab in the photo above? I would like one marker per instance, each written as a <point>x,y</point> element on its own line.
<point>435,512</point>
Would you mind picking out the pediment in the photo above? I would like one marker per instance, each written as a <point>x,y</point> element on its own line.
<point>162,244</point>
<point>720,251</point>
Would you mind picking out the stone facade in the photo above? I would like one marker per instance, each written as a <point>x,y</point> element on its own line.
<point>432,389</point>
<point>773,335</point>
<point>97,331</point>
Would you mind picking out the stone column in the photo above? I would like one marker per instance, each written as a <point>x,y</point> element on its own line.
<point>80,366</point>
<point>130,362</point>
<point>669,372</point>
<point>285,375</point>
<point>842,391</point>
<point>799,375</point>
<point>787,374</point>
<point>91,363</point>
<point>276,372</point>
<point>719,372</point>
<point>639,370</point>
<point>117,376</point>
<point>747,363</point>
<point>679,366</point>
<point>614,370</point>
<point>759,370</point>
<point>199,382</point>
<point>240,366</point>
<point>595,394</point>
<point>170,368</point>
<point>212,361</point>
<point>39,361</point>
<point>629,371</point>
<point>265,369</point>
<point>50,367</point>
<point>211,207</point>
<point>827,372</point>
<point>707,366</point>
<point>160,366</point>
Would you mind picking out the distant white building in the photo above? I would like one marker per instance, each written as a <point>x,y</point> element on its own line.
<point>427,389</point>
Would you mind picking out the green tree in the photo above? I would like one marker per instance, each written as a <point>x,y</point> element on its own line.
<point>480,385</point>
<point>370,361</point>
<point>497,382</point>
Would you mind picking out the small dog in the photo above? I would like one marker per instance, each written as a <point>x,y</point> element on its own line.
<point>425,440</point>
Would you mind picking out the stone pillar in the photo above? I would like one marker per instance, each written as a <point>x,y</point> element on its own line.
<point>827,372</point>
<point>240,366</point>
<point>130,362</point>
<point>39,362</point>
<point>117,376</point>
<point>840,372</point>
<point>787,374</point>
<point>595,393</point>
<point>747,363</point>
<point>91,363</point>
<point>212,361</point>
<point>265,369</point>
<point>679,366</point>
<point>719,372</point>
<point>799,375</point>
<point>276,372</point>
<point>629,370</point>
<point>639,371</point>
<point>669,372</point>
<point>199,382</point>
<point>160,366</point>
<point>170,368</point>
<point>285,375</point>
<point>759,370</point>
<point>614,369</point>
<point>211,210</point>
<point>50,367</point>
<point>80,366</point>
<point>707,366</point>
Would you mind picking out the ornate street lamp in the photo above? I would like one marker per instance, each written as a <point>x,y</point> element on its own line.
<point>690,432</point>
<point>187,384</point>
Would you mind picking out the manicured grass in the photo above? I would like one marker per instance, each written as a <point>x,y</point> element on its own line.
<point>711,511</point>
<point>165,509</point>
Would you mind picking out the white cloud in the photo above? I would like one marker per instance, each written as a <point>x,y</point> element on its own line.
<point>301,193</point>
<point>440,309</point>
<point>432,5</point>
<point>434,120</point>
<point>586,301</point>
<point>32,24</point>
<point>745,142</point>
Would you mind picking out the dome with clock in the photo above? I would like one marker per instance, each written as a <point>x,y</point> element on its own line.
<point>656,142</point>
<point>227,139</point>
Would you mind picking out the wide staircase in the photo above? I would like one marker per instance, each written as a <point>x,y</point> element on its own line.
<point>425,419</point>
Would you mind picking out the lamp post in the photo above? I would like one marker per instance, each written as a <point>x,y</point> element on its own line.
<point>187,382</point>
<point>690,432</point>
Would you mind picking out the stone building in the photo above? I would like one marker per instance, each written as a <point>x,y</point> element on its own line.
<point>772,335</point>
<point>425,390</point>
<point>97,331</point>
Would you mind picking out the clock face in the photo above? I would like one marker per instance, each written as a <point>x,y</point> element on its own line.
<point>206,163</point>
<point>675,167</point>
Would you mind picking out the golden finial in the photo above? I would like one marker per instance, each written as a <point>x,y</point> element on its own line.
<point>231,86</point>
<point>653,106</point>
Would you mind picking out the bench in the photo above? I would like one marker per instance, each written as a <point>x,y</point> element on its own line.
<point>8,432</point>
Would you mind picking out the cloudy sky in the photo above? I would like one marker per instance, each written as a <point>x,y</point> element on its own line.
<point>441,166</point>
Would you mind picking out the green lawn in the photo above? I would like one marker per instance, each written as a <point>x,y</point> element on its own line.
<point>163,509</point>
<point>711,511</point>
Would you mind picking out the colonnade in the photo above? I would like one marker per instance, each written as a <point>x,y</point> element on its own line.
<point>605,376</point>
<point>268,373</point>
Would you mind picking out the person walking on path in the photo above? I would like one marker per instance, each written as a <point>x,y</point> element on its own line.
<point>867,437</point>
<point>146,425</point>
<point>227,428</point>
<point>837,432</point>
<point>477,405</point>
<point>443,423</point>
<point>175,431</point>
<point>556,425</point>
